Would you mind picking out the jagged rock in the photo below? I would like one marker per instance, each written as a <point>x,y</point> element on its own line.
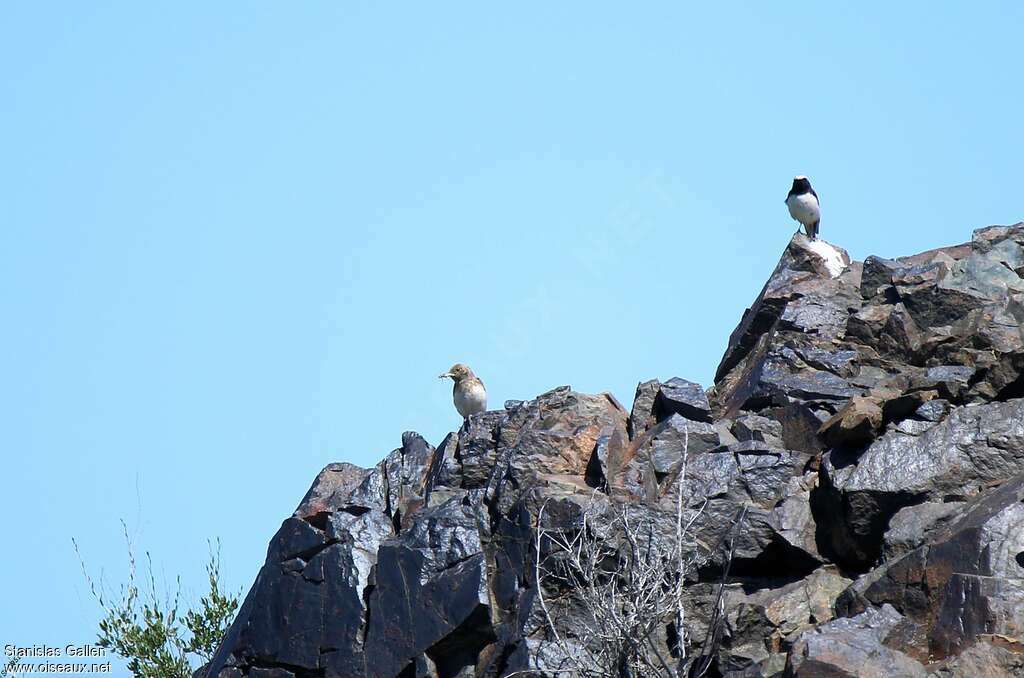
<point>971,449</point>
<point>811,291</point>
<point>333,486</point>
<point>792,519</point>
<point>429,584</point>
<point>756,427</point>
<point>642,417</point>
<point>910,527</point>
<point>867,324</point>
<point>671,439</point>
<point>854,425</point>
<point>449,471</point>
<point>762,625</point>
<point>839,361</point>
<point>611,451</point>
<point>742,491</point>
<point>682,397</point>
<point>967,578</point>
<point>270,673</point>
<point>900,337</point>
<point>799,427</point>
<point>877,276</point>
<point>898,404</point>
<point>724,429</point>
<point>411,472</point>
<point>850,648</point>
<point>552,439</point>
<point>933,410</point>
<point>822,389</point>
<point>869,416</point>
<point>308,596</point>
<point>912,427</point>
<point>990,657</point>
<point>477,448</point>
<point>949,381</point>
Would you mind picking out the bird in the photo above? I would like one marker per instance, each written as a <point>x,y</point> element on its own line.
<point>469,393</point>
<point>803,206</point>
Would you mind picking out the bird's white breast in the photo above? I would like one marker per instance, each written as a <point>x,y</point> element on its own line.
<point>804,208</point>
<point>470,399</point>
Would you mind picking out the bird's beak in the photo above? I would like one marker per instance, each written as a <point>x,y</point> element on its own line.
<point>446,374</point>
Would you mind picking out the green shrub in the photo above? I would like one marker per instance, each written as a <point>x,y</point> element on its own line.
<point>152,632</point>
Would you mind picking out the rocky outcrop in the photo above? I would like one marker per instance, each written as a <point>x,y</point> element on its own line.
<point>853,647</point>
<point>853,484</point>
<point>965,579</point>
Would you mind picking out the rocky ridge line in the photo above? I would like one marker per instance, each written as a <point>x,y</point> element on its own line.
<point>865,421</point>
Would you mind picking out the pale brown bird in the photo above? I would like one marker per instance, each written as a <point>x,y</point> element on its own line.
<point>469,393</point>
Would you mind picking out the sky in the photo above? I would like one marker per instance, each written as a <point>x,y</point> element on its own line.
<point>239,241</point>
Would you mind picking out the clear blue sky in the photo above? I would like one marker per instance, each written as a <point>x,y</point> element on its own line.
<point>241,240</point>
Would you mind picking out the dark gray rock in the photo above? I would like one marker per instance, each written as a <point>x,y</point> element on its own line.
<point>800,426</point>
<point>742,494</point>
<point>877,276</point>
<point>944,291</point>
<point>900,337</point>
<point>815,386</point>
<point>449,471</point>
<point>950,381</point>
<point>822,317</point>
<point>682,397</point>
<point>971,449</point>
<point>331,487</point>
<point>965,580</point>
<point>669,441</point>
<point>867,324</point>
<point>411,473</point>
<point>293,611</point>
<point>911,526</point>
<point>933,410</point>
<point>792,518</point>
<point>478,447</point>
<point>611,451</point>
<point>428,583</point>
<point>763,624</point>
<point>823,289</point>
<point>642,416</point>
<point>851,648</point>
<point>839,361</point>
<point>270,673</point>
<point>756,427</point>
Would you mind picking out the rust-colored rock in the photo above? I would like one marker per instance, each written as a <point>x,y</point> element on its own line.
<point>854,425</point>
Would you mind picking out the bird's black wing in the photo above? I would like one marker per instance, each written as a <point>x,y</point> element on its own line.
<point>816,196</point>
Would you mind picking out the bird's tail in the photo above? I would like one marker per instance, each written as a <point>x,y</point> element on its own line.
<point>813,230</point>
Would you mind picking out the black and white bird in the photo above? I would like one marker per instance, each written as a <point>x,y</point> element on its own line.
<point>803,206</point>
<point>469,393</point>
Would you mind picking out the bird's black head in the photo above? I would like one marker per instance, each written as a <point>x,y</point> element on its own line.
<point>800,186</point>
